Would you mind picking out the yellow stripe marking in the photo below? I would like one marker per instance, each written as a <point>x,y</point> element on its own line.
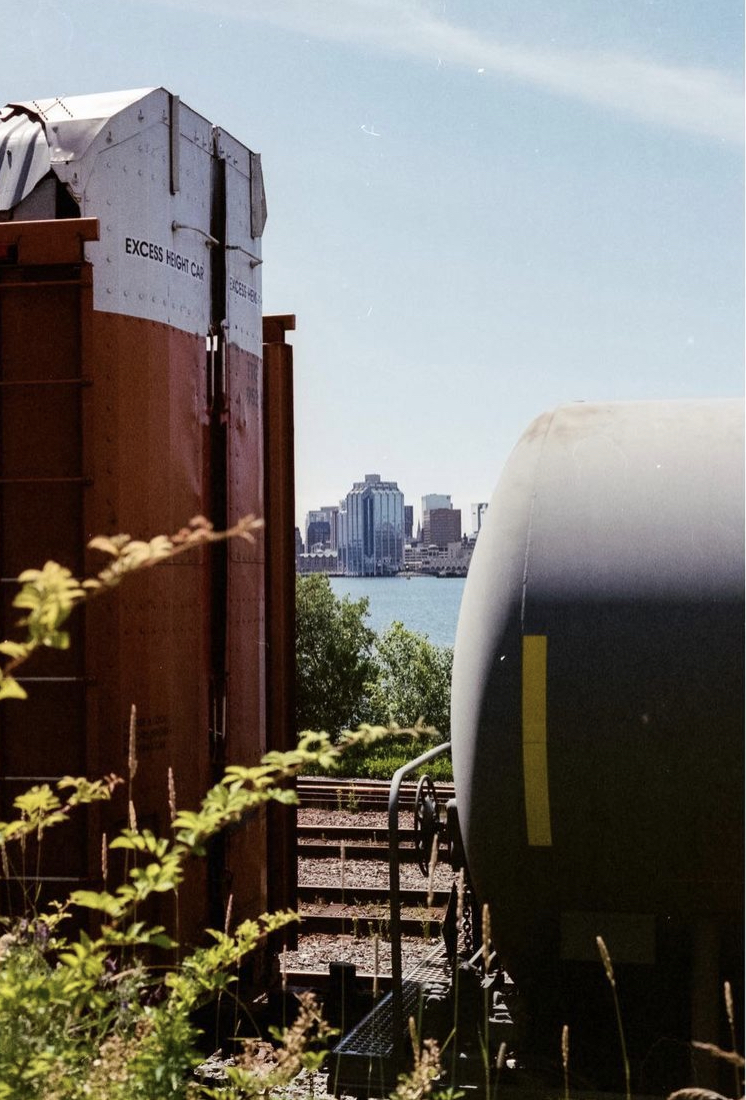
<point>534,720</point>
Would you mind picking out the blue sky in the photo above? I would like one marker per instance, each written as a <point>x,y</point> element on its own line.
<point>477,210</point>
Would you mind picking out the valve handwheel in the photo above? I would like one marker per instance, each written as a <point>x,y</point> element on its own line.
<point>426,822</point>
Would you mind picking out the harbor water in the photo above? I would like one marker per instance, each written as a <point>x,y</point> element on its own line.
<point>428,605</point>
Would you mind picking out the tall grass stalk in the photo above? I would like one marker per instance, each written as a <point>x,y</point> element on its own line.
<point>431,872</point>
<point>566,1059</point>
<point>728,993</point>
<point>131,773</point>
<point>453,1037</point>
<point>606,960</point>
<point>219,998</point>
<point>6,874</point>
<point>172,816</point>
<point>500,1058</point>
<point>485,1044</point>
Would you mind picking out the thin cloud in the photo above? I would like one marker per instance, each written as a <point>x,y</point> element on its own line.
<point>695,100</point>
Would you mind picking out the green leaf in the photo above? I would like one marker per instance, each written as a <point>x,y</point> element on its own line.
<point>11,689</point>
<point>37,799</point>
<point>103,902</point>
<point>106,546</point>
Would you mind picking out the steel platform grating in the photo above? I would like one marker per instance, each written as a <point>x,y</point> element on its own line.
<point>363,1059</point>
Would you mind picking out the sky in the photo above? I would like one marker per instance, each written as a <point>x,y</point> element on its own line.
<point>478,210</point>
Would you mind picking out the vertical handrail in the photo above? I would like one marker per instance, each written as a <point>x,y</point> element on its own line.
<point>397,1001</point>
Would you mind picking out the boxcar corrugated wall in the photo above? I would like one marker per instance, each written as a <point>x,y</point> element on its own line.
<point>133,399</point>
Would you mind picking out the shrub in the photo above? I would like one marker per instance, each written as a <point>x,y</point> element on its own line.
<point>334,657</point>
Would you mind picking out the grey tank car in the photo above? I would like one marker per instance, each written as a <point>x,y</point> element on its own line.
<point>597,728</point>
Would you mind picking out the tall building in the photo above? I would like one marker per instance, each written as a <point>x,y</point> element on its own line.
<point>441,527</point>
<point>436,500</point>
<point>331,514</point>
<point>441,523</point>
<point>478,512</point>
<point>321,528</point>
<point>408,521</point>
<point>373,528</point>
<point>317,535</point>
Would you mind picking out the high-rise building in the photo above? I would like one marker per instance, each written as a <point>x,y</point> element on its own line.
<point>331,514</point>
<point>318,535</point>
<point>408,522</point>
<point>447,521</point>
<point>373,528</point>
<point>442,526</point>
<point>321,528</point>
<point>436,500</point>
<point>478,512</point>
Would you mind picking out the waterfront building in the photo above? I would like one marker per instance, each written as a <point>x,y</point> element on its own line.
<point>318,561</point>
<point>445,528</point>
<point>436,500</point>
<point>322,528</point>
<point>373,528</point>
<point>318,534</point>
<point>441,526</point>
<point>331,515</point>
<point>316,528</point>
<point>430,502</point>
<point>408,521</point>
<point>342,536</point>
<point>412,557</point>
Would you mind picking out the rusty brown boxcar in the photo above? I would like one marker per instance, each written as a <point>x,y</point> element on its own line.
<point>138,390</point>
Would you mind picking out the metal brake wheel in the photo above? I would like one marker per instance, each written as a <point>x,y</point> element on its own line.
<point>426,822</point>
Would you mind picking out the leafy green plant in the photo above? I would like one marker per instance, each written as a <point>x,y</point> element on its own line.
<point>412,680</point>
<point>348,675</point>
<point>81,1016</point>
<point>382,759</point>
<point>48,595</point>
<point>334,648</point>
<point>111,1014</point>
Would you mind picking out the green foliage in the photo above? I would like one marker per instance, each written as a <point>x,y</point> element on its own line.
<point>334,654</point>
<point>382,760</point>
<point>348,675</point>
<point>50,594</point>
<point>88,1016</point>
<point>81,1016</point>
<point>412,681</point>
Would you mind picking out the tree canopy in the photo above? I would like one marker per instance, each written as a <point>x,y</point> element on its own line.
<point>334,654</point>
<point>346,674</point>
<point>412,681</point>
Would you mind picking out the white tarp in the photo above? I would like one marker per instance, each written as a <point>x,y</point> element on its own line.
<point>24,157</point>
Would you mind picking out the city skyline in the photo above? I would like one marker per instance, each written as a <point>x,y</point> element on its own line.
<point>370,534</point>
<point>321,513</point>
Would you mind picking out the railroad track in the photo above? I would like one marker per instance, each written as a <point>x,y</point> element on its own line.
<point>343,892</point>
<point>327,792</point>
<point>355,841</point>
